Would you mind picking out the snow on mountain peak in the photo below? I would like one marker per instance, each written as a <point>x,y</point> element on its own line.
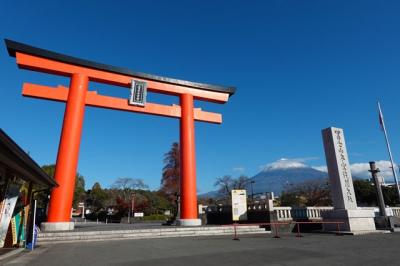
<point>285,164</point>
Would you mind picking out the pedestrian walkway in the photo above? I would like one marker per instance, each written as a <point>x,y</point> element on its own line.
<point>255,250</point>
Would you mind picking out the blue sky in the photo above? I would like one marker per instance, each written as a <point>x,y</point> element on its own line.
<point>299,67</point>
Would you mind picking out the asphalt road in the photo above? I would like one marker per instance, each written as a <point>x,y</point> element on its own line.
<point>312,249</point>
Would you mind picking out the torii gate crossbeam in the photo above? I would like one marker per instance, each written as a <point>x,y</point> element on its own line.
<point>81,72</point>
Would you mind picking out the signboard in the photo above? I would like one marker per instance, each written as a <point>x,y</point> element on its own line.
<point>7,209</point>
<point>138,93</point>
<point>138,214</point>
<point>201,209</point>
<point>239,205</point>
<point>17,228</point>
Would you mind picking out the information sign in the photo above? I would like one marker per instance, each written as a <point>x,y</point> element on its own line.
<point>239,205</point>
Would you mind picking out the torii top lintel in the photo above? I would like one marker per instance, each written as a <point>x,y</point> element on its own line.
<point>37,59</point>
<point>31,58</point>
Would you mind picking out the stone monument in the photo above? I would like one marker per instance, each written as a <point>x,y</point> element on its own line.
<point>342,190</point>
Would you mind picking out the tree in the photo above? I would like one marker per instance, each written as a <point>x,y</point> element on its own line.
<point>226,183</point>
<point>49,169</point>
<point>151,202</point>
<point>290,198</point>
<point>126,185</point>
<point>365,192</point>
<point>112,195</point>
<point>171,173</point>
<point>390,195</point>
<point>97,197</point>
<point>308,193</point>
<point>317,193</point>
<point>241,182</point>
<point>79,191</point>
<point>207,201</point>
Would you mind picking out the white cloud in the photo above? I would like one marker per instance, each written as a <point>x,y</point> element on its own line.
<point>361,169</point>
<point>239,169</point>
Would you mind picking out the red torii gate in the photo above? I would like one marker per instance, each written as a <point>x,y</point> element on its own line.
<point>81,72</point>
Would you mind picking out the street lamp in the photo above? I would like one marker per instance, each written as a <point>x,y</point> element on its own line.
<point>252,193</point>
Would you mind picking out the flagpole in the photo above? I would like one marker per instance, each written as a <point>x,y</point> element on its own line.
<point>389,150</point>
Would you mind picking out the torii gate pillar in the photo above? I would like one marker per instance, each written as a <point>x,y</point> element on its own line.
<point>188,164</point>
<point>68,153</point>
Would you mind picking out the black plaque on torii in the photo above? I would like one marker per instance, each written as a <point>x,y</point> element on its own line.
<point>138,93</point>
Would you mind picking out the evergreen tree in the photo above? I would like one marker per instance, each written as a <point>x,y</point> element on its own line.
<point>79,191</point>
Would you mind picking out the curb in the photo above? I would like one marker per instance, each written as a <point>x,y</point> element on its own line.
<point>117,238</point>
<point>11,253</point>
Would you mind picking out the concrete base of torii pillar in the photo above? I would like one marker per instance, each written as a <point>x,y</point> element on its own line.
<point>57,226</point>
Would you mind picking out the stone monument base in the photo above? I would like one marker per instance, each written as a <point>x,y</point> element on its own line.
<point>353,220</point>
<point>57,226</point>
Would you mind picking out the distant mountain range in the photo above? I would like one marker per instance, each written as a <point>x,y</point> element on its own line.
<point>276,179</point>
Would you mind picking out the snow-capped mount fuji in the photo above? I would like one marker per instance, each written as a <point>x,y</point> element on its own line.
<point>284,173</point>
<point>277,176</point>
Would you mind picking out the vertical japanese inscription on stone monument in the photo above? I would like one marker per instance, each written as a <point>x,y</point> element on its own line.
<point>339,169</point>
<point>343,163</point>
